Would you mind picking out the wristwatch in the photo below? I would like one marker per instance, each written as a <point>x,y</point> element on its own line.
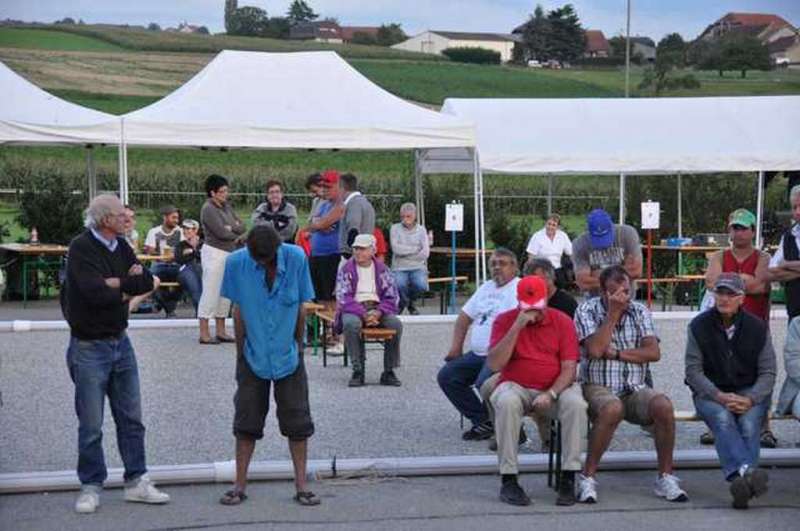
<point>552,394</point>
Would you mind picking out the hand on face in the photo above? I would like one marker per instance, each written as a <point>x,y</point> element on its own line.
<point>524,318</point>
<point>618,300</point>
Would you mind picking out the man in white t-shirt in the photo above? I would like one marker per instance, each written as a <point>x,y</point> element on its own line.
<point>162,240</point>
<point>463,371</point>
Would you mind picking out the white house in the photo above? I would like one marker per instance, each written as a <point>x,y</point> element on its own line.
<point>433,41</point>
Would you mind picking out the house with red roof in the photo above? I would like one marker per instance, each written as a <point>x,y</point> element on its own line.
<point>596,44</point>
<point>764,26</point>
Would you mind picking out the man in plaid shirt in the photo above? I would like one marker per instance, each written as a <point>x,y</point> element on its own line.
<point>618,342</point>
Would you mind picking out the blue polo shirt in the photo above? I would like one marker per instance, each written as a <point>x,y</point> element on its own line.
<point>269,316</point>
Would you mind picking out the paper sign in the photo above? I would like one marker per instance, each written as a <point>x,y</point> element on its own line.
<point>454,217</point>
<point>651,212</point>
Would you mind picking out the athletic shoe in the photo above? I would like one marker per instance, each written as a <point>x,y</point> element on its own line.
<point>479,432</point>
<point>707,438</point>
<point>668,486</point>
<point>566,488</point>
<point>357,380</point>
<point>145,492</point>
<point>88,501</point>
<point>335,350</point>
<point>587,489</point>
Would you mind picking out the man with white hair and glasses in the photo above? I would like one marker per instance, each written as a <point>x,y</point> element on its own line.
<point>102,275</point>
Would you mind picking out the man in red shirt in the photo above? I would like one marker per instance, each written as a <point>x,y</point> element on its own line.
<point>535,348</point>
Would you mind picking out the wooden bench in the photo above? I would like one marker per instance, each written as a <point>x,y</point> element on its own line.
<point>443,293</point>
<point>554,451</point>
<point>368,334</point>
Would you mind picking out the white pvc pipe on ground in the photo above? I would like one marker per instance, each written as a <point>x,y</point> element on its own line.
<point>223,472</point>
<point>143,324</point>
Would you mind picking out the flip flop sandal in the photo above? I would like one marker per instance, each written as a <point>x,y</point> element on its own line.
<point>225,339</point>
<point>211,341</point>
<point>307,498</point>
<point>233,497</point>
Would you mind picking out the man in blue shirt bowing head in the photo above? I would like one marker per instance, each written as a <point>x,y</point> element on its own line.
<point>268,282</point>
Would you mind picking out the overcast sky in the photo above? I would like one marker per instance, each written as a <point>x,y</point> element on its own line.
<point>653,18</point>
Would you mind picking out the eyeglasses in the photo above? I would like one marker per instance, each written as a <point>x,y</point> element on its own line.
<point>499,263</point>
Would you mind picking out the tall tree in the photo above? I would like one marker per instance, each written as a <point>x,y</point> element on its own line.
<point>300,11</point>
<point>536,35</point>
<point>567,39</point>
<point>742,52</point>
<point>390,34</point>
<point>230,8</point>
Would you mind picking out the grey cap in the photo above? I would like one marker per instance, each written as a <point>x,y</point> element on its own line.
<point>730,281</point>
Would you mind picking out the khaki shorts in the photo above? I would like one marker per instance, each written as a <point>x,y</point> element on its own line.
<point>636,405</point>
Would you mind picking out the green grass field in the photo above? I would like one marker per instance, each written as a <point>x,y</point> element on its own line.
<point>140,39</point>
<point>52,40</point>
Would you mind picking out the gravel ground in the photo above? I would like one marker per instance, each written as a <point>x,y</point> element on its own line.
<point>187,398</point>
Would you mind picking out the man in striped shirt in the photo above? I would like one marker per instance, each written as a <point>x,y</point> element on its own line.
<point>618,341</point>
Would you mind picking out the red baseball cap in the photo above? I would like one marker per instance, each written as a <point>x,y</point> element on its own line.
<point>532,293</point>
<point>330,177</point>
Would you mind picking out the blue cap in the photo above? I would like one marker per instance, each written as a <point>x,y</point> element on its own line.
<point>601,228</point>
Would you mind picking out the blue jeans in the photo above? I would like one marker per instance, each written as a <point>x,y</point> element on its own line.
<point>736,437</point>
<point>99,368</point>
<point>166,273</point>
<point>459,379</point>
<point>409,285</point>
<point>191,280</point>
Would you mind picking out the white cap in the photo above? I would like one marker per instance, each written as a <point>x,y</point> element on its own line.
<point>364,240</point>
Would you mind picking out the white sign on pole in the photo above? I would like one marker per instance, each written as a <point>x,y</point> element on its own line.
<point>651,212</point>
<point>454,217</point>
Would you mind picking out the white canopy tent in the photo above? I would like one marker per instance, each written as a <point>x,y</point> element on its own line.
<point>305,100</point>
<point>29,115</point>
<point>627,137</point>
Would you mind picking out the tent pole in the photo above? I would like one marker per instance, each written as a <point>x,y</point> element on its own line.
<point>549,194</point>
<point>477,217</point>
<point>680,205</point>
<point>121,160</point>
<point>759,208</point>
<point>90,173</point>
<point>483,225</point>
<point>621,198</point>
<point>418,198</point>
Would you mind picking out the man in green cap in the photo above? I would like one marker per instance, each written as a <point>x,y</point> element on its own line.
<point>752,265</point>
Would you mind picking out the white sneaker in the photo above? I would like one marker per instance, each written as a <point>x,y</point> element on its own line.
<point>145,492</point>
<point>587,489</point>
<point>88,502</point>
<point>336,350</point>
<point>668,486</point>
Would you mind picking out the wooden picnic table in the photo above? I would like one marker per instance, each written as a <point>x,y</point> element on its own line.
<point>35,257</point>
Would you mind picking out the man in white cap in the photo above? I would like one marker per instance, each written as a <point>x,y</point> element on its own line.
<point>366,296</point>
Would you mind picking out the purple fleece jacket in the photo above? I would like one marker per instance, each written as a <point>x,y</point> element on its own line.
<point>346,284</point>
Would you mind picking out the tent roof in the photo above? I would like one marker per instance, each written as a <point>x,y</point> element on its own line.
<point>29,115</point>
<point>637,135</point>
<point>289,100</point>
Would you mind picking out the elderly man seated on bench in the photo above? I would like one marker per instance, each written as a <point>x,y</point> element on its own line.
<point>730,368</point>
<point>366,296</point>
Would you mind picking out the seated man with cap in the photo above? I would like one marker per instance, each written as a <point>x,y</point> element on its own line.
<point>187,256</point>
<point>535,348</point>
<point>366,296</point>
<point>730,368</point>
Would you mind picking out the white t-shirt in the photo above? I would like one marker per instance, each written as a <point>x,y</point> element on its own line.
<point>366,291</point>
<point>542,246</point>
<point>483,307</point>
<point>778,258</point>
<point>158,239</point>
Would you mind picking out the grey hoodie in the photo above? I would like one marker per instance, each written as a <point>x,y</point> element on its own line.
<point>410,249</point>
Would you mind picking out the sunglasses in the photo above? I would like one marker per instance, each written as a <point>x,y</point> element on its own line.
<point>739,228</point>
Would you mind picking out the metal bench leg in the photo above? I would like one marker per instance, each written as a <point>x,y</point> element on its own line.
<point>551,448</point>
